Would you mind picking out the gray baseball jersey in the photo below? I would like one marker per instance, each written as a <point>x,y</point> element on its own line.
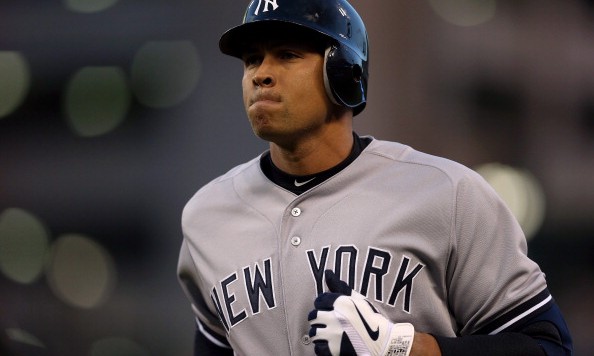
<point>425,239</point>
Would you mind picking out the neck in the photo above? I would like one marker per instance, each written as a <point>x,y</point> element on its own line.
<point>317,151</point>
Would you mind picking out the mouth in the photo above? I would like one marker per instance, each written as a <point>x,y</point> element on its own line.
<point>265,98</point>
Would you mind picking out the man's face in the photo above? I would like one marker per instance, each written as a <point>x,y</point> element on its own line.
<point>283,91</point>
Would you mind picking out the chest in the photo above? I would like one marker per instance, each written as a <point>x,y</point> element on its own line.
<point>264,266</point>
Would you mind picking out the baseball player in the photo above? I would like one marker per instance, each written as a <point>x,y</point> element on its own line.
<point>331,243</point>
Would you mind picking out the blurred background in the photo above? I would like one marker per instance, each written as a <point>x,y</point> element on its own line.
<point>114,112</point>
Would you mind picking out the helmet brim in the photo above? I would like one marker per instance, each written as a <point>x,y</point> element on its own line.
<point>235,40</point>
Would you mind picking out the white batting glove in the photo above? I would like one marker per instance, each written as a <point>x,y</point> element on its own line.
<point>345,323</point>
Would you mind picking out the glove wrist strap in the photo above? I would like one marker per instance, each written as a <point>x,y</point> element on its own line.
<point>401,340</point>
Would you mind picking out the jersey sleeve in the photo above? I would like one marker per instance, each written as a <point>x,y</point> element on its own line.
<point>492,284</point>
<point>206,343</point>
<point>545,333</point>
<point>209,331</point>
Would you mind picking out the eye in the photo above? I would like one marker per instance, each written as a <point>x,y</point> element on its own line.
<point>287,54</point>
<point>251,60</point>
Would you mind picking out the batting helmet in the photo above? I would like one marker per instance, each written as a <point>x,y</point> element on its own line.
<point>335,21</point>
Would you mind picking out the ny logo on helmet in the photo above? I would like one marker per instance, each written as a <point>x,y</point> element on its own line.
<point>266,3</point>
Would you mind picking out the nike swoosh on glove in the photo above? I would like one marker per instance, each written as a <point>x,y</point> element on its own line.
<point>345,323</point>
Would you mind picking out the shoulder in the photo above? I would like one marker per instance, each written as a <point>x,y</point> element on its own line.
<point>419,163</point>
<point>435,181</point>
<point>222,188</point>
<point>241,171</point>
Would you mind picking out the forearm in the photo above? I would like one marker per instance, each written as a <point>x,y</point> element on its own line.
<point>425,345</point>
<point>502,344</point>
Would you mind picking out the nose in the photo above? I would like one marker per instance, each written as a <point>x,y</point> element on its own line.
<point>263,81</point>
<point>264,76</point>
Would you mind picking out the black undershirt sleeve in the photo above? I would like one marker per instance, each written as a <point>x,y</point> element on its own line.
<point>204,347</point>
<point>504,344</point>
<point>543,334</point>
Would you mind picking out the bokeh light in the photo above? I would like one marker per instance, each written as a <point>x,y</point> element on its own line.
<point>97,100</point>
<point>521,191</point>
<point>23,337</point>
<point>88,6</point>
<point>80,272</point>
<point>14,83</point>
<point>164,73</point>
<point>465,12</point>
<point>24,244</point>
<point>116,346</point>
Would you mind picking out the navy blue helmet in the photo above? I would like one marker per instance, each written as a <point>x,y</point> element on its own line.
<point>335,22</point>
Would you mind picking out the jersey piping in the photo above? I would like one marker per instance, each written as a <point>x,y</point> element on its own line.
<point>212,336</point>
<point>534,306</point>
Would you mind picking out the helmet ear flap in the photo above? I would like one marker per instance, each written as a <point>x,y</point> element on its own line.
<point>327,80</point>
<point>345,77</point>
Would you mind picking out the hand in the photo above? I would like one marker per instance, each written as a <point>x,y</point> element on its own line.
<point>345,323</point>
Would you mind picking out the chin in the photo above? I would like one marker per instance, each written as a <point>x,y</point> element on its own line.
<point>261,125</point>
<point>266,135</point>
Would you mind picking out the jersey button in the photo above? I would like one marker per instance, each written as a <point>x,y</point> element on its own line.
<point>295,241</point>
<point>296,212</point>
<point>305,340</point>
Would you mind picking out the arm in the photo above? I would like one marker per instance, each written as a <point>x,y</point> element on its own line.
<point>488,245</point>
<point>425,344</point>
<point>207,340</point>
<point>343,319</point>
<point>206,343</point>
<point>504,344</point>
<point>545,333</point>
